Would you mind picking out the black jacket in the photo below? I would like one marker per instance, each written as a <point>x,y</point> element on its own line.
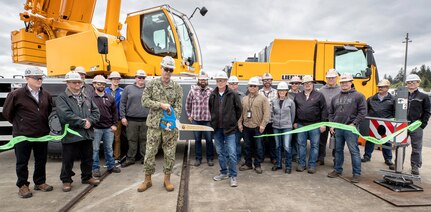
<point>381,109</point>
<point>108,111</point>
<point>419,108</point>
<point>28,117</point>
<point>312,110</point>
<point>74,114</point>
<point>225,110</point>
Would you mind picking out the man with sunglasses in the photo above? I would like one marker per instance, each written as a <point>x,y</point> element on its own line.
<point>133,117</point>
<point>105,128</point>
<point>381,105</point>
<point>310,108</point>
<point>28,108</point>
<point>295,82</point>
<point>270,93</point>
<point>255,116</point>
<point>81,113</point>
<point>198,113</point>
<point>161,95</point>
<point>418,109</point>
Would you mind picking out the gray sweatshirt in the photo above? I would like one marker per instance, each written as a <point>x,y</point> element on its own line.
<point>329,93</point>
<point>348,107</point>
<point>282,117</point>
<point>130,104</point>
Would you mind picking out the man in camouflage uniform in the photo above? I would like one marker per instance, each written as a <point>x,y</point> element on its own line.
<point>160,95</point>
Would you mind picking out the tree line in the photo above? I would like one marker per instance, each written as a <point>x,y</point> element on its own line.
<point>424,72</point>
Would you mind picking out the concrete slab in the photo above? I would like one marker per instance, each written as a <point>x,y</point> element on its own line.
<point>270,191</point>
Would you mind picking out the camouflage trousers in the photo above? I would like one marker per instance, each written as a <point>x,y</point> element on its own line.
<point>169,145</point>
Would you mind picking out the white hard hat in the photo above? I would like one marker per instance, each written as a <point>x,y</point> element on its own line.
<point>221,75</point>
<point>332,73</point>
<point>168,62</point>
<point>203,75</point>
<point>307,78</point>
<point>266,76</point>
<point>99,78</point>
<point>72,76</point>
<point>346,78</point>
<point>383,83</point>
<point>140,73</point>
<point>254,81</point>
<point>33,71</point>
<point>295,79</point>
<point>413,77</point>
<point>282,86</point>
<point>114,74</point>
<point>233,79</point>
<point>80,70</point>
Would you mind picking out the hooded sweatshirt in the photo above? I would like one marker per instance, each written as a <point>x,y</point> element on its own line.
<point>348,107</point>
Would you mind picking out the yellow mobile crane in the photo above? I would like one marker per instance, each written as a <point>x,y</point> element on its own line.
<point>285,58</point>
<point>59,35</point>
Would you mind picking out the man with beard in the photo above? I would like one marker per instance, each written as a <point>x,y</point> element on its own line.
<point>270,93</point>
<point>198,113</point>
<point>105,128</point>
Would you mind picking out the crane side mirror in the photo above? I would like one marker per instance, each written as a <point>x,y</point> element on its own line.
<point>102,45</point>
<point>203,11</point>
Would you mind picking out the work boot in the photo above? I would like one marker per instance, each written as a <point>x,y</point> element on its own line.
<point>127,163</point>
<point>210,163</point>
<point>197,163</point>
<point>312,170</point>
<point>258,170</point>
<point>245,167</point>
<point>24,192</point>
<point>389,162</point>
<point>43,187</point>
<point>355,179</point>
<point>300,169</point>
<point>334,174</point>
<point>67,187</point>
<point>146,184</point>
<point>114,170</point>
<point>96,173</point>
<point>167,183</point>
<point>92,181</point>
<point>365,159</point>
<point>415,170</point>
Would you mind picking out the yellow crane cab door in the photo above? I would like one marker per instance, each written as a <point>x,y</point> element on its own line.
<point>358,61</point>
<point>163,31</point>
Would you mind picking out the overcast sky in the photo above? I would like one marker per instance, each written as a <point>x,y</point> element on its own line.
<point>234,30</point>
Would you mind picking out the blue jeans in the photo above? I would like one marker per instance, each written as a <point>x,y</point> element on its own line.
<point>107,136</point>
<point>342,137</point>
<point>238,136</point>
<point>198,142</point>
<point>369,148</point>
<point>226,149</point>
<point>249,141</point>
<point>285,141</point>
<point>314,136</point>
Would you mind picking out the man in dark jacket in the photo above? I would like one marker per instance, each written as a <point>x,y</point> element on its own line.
<point>77,110</point>
<point>418,109</point>
<point>225,109</point>
<point>28,109</point>
<point>310,109</point>
<point>381,105</point>
<point>105,128</point>
<point>349,107</point>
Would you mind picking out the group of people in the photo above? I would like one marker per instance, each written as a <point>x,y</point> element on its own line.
<point>99,112</point>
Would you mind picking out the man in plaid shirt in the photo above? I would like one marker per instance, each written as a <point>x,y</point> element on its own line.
<point>198,113</point>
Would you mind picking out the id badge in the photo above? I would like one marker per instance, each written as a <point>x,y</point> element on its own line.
<point>249,114</point>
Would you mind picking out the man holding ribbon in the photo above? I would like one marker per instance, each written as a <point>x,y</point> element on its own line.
<point>28,108</point>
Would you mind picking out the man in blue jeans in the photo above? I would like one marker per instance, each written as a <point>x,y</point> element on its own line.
<point>310,109</point>
<point>198,113</point>
<point>105,128</point>
<point>349,107</point>
<point>225,107</point>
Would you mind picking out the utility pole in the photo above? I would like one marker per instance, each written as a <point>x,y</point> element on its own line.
<point>407,41</point>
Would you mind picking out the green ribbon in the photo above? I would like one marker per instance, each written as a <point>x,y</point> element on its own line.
<point>45,138</point>
<point>353,129</point>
